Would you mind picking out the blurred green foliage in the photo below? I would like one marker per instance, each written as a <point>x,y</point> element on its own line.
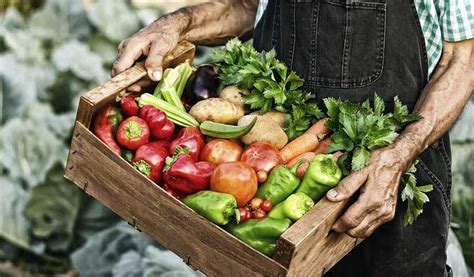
<point>47,58</point>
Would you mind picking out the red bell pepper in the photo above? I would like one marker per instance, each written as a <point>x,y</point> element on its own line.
<point>176,194</point>
<point>190,138</point>
<point>184,175</point>
<point>133,132</point>
<point>150,159</point>
<point>105,126</point>
<point>129,106</point>
<point>160,126</point>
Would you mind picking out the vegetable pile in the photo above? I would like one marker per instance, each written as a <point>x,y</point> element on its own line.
<point>240,144</point>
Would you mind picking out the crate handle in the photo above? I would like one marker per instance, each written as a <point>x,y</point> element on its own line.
<point>107,92</point>
<point>313,229</point>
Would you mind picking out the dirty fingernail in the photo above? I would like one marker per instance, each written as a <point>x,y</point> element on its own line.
<point>157,75</point>
<point>332,193</point>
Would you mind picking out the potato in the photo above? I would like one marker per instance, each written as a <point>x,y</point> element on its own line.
<point>216,110</point>
<point>278,117</point>
<point>233,94</point>
<point>265,130</point>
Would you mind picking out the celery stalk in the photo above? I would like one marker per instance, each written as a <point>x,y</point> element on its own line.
<point>176,115</point>
<point>172,85</point>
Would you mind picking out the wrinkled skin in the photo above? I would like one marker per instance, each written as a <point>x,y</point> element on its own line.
<point>440,104</point>
<point>211,23</point>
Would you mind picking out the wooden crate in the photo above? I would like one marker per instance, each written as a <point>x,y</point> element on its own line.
<point>307,248</point>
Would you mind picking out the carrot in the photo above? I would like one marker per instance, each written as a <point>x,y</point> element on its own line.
<point>323,145</point>
<point>300,145</point>
<point>306,142</point>
<point>319,128</point>
<point>309,156</point>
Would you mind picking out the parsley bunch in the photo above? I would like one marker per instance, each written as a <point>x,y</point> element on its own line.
<point>416,196</point>
<point>359,127</point>
<point>270,84</point>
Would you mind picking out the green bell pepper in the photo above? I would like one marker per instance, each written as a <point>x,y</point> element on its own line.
<point>280,184</point>
<point>218,207</point>
<point>293,208</point>
<point>261,234</point>
<point>323,173</point>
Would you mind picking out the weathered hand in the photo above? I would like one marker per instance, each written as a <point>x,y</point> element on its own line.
<point>154,41</point>
<point>378,185</point>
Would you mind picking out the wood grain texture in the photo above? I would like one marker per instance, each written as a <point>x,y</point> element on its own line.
<point>106,93</point>
<point>200,243</point>
<point>308,248</point>
<point>305,249</point>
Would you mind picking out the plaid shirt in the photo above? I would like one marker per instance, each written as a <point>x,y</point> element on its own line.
<point>440,20</point>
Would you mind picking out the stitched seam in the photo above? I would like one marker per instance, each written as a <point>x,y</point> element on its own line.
<point>347,45</point>
<point>436,180</point>
<point>359,5</point>
<point>293,37</point>
<point>360,82</point>
<point>314,35</point>
<point>421,39</point>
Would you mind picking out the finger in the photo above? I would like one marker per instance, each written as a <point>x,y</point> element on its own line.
<point>354,215</point>
<point>129,52</point>
<point>144,82</point>
<point>154,62</point>
<point>348,186</point>
<point>373,220</point>
<point>362,231</point>
<point>134,88</point>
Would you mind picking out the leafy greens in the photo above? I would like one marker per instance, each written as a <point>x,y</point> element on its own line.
<point>359,128</point>
<point>271,84</point>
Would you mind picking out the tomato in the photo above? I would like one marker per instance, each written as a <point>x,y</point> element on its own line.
<point>261,157</point>
<point>244,215</point>
<point>266,205</point>
<point>259,214</point>
<point>219,151</point>
<point>262,176</point>
<point>255,203</point>
<point>237,179</point>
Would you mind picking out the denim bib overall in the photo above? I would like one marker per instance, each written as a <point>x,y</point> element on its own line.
<point>352,49</point>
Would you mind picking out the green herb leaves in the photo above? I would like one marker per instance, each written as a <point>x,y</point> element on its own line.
<point>416,196</point>
<point>359,128</point>
<point>270,84</point>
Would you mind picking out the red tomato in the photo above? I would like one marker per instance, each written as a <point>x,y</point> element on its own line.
<point>244,215</point>
<point>261,176</point>
<point>237,179</point>
<point>259,214</point>
<point>266,205</point>
<point>261,157</point>
<point>219,151</point>
<point>255,203</point>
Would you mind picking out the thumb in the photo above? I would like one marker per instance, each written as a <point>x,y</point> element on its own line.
<point>347,186</point>
<point>154,62</point>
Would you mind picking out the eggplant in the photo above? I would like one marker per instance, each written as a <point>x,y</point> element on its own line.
<point>203,84</point>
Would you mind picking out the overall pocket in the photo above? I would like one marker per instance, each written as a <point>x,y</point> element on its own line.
<point>344,38</point>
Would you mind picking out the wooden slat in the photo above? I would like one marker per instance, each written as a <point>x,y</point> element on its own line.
<point>202,244</point>
<point>308,248</point>
<point>106,93</point>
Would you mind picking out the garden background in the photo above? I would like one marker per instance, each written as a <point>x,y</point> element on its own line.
<point>51,51</point>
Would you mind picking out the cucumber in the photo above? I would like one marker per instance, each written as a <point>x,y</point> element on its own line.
<point>219,130</point>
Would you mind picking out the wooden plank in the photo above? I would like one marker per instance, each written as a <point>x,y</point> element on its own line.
<point>308,248</point>
<point>202,244</point>
<point>106,93</point>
